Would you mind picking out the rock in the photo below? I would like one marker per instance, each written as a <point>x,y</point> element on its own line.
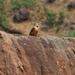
<point>72,27</point>
<point>65,24</point>
<point>71,5</point>
<point>72,22</point>
<point>21,15</point>
<point>43,55</point>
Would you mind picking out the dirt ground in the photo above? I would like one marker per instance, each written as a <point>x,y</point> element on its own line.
<point>37,15</point>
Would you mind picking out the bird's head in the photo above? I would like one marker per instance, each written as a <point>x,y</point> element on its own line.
<point>36,26</point>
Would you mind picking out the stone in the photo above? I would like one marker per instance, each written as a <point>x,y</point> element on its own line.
<point>71,5</point>
<point>72,27</point>
<point>43,55</point>
<point>21,15</point>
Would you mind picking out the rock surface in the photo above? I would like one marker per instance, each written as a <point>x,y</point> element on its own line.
<point>21,15</point>
<point>29,55</point>
<point>71,5</point>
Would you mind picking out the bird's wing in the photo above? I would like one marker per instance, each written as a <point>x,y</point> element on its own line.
<point>31,31</point>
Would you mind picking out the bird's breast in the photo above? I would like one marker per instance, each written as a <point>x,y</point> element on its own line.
<point>35,32</point>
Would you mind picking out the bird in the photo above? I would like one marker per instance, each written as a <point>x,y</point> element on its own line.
<point>34,31</point>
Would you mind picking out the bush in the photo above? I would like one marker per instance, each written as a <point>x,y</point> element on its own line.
<point>65,1</point>
<point>61,16</point>
<point>17,4</point>
<point>45,9</point>
<point>50,17</point>
<point>51,1</point>
<point>1,5</point>
<point>71,34</point>
<point>5,25</point>
<point>58,27</point>
<point>28,3</point>
<point>3,22</point>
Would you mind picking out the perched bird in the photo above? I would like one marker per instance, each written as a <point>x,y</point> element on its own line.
<point>34,31</point>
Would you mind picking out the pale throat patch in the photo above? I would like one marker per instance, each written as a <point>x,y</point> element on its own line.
<point>36,28</point>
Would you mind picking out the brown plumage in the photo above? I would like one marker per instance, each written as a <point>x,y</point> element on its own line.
<point>34,31</point>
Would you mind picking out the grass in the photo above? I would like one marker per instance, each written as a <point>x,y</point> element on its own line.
<point>71,34</point>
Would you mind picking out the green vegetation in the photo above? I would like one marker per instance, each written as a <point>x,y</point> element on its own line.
<point>50,17</point>
<point>3,22</point>
<point>58,27</point>
<point>1,5</point>
<point>29,3</point>
<point>5,25</point>
<point>65,1</point>
<point>51,1</point>
<point>61,16</point>
<point>45,9</point>
<point>17,4</point>
<point>71,34</point>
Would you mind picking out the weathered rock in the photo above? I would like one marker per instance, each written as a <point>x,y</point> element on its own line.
<point>65,24</point>
<point>29,55</point>
<point>72,22</point>
<point>71,5</point>
<point>21,15</point>
<point>72,27</point>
